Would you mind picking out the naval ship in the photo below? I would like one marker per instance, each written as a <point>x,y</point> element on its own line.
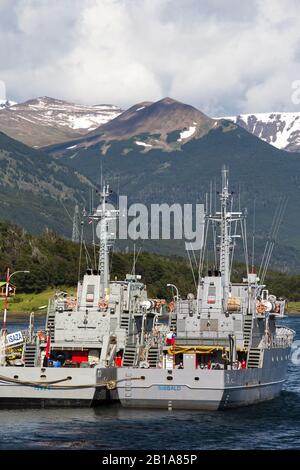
<point>86,335</point>
<point>220,348</point>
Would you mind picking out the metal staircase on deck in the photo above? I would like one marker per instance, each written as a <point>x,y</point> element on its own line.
<point>247,330</point>
<point>129,355</point>
<point>125,322</point>
<point>254,358</point>
<point>51,325</point>
<point>173,324</point>
<point>29,355</point>
<point>153,356</point>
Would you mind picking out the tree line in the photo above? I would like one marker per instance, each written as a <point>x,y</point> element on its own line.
<point>54,261</point>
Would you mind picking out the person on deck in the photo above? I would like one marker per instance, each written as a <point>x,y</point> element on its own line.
<point>169,338</point>
<point>173,338</point>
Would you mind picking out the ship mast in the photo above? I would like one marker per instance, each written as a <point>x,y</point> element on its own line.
<point>225,235</point>
<point>224,220</point>
<point>103,266</point>
<point>104,215</point>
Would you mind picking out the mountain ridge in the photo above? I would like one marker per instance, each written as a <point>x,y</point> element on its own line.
<point>280,129</point>
<point>157,121</point>
<point>43,121</point>
<point>184,172</point>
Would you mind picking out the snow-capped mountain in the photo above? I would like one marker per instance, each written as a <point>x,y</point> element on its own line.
<point>45,121</point>
<point>165,124</point>
<point>279,129</point>
<point>6,104</point>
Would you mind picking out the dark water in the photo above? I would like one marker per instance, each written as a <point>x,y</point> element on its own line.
<point>272,425</point>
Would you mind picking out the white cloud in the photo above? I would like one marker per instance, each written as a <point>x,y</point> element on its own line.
<point>224,57</point>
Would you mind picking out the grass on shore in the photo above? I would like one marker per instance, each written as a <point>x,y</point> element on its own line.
<point>293,307</point>
<point>25,303</point>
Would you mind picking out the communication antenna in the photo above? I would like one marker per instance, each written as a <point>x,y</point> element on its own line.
<point>273,235</point>
<point>253,235</point>
<point>76,224</point>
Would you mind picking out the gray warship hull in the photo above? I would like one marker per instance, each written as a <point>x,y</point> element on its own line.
<point>223,347</point>
<point>71,361</point>
<point>61,387</point>
<point>190,389</point>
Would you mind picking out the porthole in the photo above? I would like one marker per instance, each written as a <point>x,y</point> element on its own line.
<point>143,377</point>
<point>16,376</point>
<point>196,378</point>
<point>169,377</point>
<point>43,376</point>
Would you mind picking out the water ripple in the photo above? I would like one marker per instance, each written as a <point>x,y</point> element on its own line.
<point>271,425</point>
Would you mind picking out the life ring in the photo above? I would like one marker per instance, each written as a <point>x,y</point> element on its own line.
<point>260,308</point>
<point>102,304</point>
<point>71,304</point>
<point>41,336</point>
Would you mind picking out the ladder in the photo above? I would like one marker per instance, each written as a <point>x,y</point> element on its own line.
<point>125,322</point>
<point>51,325</point>
<point>29,355</point>
<point>153,356</point>
<point>254,358</point>
<point>129,355</point>
<point>247,330</point>
<point>173,324</point>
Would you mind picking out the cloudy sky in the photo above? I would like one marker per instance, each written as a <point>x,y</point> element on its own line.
<point>222,56</point>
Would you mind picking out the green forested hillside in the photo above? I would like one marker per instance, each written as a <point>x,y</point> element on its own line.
<point>36,191</point>
<point>53,261</point>
<point>258,172</point>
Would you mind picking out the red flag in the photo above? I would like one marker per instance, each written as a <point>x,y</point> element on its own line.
<point>48,346</point>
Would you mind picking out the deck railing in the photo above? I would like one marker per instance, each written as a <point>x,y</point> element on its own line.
<point>283,338</point>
